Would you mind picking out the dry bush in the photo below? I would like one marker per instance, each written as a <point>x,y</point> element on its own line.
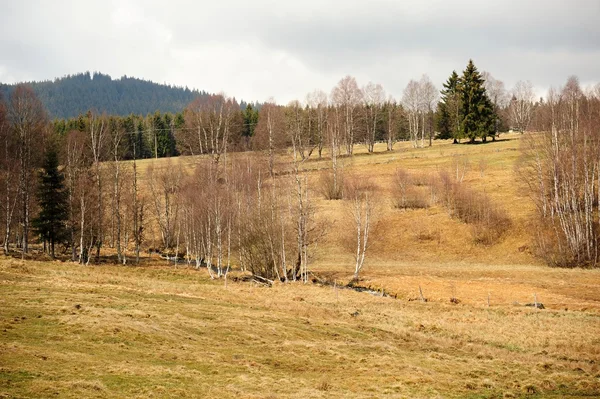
<point>330,187</point>
<point>402,181</point>
<point>413,198</point>
<point>421,179</point>
<point>489,222</point>
<point>460,167</point>
<point>356,186</point>
<point>409,190</point>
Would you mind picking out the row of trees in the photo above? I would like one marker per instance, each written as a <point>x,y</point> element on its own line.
<point>471,106</point>
<point>562,168</point>
<point>258,211</point>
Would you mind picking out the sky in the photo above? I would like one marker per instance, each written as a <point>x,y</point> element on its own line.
<point>282,50</point>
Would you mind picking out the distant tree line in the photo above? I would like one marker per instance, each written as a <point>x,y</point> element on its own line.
<point>72,95</point>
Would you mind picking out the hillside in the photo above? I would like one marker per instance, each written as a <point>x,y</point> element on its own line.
<point>74,94</point>
<point>415,235</point>
<point>158,330</point>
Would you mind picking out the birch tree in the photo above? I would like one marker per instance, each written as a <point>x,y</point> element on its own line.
<point>28,120</point>
<point>215,119</point>
<point>562,169</point>
<point>8,171</point>
<point>165,186</point>
<point>362,209</point>
<point>117,135</point>
<point>428,97</point>
<point>317,102</point>
<point>347,97</point>
<point>391,112</point>
<point>269,132</point>
<point>303,206</point>
<point>412,104</point>
<point>332,179</point>
<point>498,96</point>
<point>76,168</point>
<point>98,135</point>
<point>374,98</point>
<point>521,105</point>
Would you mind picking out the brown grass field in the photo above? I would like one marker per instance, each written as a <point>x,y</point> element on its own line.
<point>158,331</point>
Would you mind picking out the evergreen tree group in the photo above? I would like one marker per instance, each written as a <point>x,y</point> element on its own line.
<point>465,110</point>
<point>72,95</point>
<point>50,224</point>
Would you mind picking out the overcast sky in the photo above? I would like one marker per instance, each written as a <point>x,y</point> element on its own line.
<point>254,50</point>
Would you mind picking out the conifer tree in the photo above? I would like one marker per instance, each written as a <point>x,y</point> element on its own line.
<point>448,120</point>
<point>477,112</point>
<point>250,116</point>
<point>52,197</point>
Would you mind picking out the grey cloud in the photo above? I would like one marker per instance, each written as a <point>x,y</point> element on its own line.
<point>383,41</point>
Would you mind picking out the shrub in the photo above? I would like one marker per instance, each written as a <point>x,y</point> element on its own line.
<point>489,221</point>
<point>413,198</point>
<point>329,187</point>
<point>406,195</point>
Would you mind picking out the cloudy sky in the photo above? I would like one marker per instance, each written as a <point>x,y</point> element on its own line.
<point>282,49</point>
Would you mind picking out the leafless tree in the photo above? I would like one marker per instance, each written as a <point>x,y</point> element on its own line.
<point>137,209</point>
<point>332,186</point>
<point>428,97</point>
<point>303,211</point>
<point>374,99</point>
<point>215,119</point>
<point>497,94</point>
<point>522,105</point>
<point>347,96</point>
<point>412,104</point>
<point>117,135</point>
<point>165,186</point>
<point>298,128</point>
<point>8,170</point>
<point>269,132</point>
<point>362,209</point>
<point>76,174</point>
<point>392,117</point>
<point>317,102</point>
<point>562,168</point>
<point>98,138</point>
<point>28,120</point>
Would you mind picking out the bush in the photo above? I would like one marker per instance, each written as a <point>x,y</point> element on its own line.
<point>406,195</point>
<point>413,198</point>
<point>357,186</point>
<point>329,188</point>
<point>489,221</point>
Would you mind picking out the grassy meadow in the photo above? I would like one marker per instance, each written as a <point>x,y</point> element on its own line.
<point>162,331</point>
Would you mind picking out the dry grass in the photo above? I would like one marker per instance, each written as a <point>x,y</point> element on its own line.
<point>72,331</point>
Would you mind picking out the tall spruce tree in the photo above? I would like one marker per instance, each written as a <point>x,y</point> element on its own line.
<point>477,111</point>
<point>250,116</point>
<point>448,116</point>
<point>52,197</point>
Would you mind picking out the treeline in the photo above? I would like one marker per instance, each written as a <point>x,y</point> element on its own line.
<point>258,212</point>
<point>72,95</point>
<point>472,106</point>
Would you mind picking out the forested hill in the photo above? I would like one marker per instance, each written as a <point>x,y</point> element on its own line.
<point>75,94</point>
